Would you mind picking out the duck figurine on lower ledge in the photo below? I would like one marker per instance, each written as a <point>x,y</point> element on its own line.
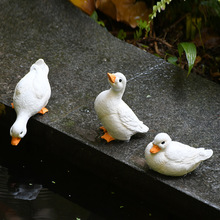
<point>118,120</point>
<point>31,95</point>
<point>173,158</point>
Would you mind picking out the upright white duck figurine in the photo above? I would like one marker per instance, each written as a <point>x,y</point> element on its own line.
<point>31,95</point>
<point>118,120</point>
<point>173,158</point>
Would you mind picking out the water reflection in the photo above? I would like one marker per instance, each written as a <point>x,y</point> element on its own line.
<point>26,201</point>
<point>26,192</point>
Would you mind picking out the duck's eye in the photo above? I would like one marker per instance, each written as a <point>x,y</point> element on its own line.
<point>163,142</point>
<point>120,80</point>
<point>21,132</point>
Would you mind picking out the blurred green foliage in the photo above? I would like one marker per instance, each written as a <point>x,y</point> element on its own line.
<point>94,16</point>
<point>122,34</point>
<point>204,13</point>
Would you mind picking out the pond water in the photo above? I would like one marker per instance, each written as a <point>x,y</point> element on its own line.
<point>45,187</point>
<point>37,184</point>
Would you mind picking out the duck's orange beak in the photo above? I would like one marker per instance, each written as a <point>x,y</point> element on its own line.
<point>111,77</point>
<point>154,149</point>
<point>15,141</point>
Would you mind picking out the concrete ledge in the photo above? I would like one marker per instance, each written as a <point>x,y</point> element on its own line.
<point>146,186</point>
<point>79,53</point>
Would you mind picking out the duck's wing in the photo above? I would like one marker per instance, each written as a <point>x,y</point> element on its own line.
<point>31,88</point>
<point>41,87</point>
<point>38,90</point>
<point>179,152</point>
<point>23,86</point>
<point>130,120</point>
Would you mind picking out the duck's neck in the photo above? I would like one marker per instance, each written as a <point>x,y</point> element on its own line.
<point>22,118</point>
<point>116,94</point>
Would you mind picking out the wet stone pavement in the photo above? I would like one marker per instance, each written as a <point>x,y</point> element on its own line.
<point>79,53</point>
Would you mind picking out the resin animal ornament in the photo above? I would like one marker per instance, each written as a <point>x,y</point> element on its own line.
<point>173,158</point>
<point>118,120</point>
<point>31,95</point>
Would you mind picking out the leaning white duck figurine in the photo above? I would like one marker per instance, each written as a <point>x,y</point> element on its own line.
<point>118,120</point>
<point>31,95</point>
<point>173,158</point>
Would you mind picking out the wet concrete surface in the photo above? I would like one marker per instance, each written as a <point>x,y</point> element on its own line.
<point>79,53</point>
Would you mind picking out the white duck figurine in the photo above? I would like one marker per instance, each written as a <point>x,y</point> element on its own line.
<point>118,120</point>
<point>173,158</point>
<point>31,95</point>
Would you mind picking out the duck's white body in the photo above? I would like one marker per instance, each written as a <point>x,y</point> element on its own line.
<point>115,115</point>
<point>173,158</point>
<point>31,95</point>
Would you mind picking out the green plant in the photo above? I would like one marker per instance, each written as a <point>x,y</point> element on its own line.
<point>172,60</point>
<point>141,25</point>
<point>94,16</point>
<point>145,25</point>
<point>156,8</point>
<point>122,34</point>
<point>213,5</point>
<point>188,47</point>
<point>192,23</point>
<point>190,51</point>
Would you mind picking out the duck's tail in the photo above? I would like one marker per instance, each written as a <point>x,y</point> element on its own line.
<point>39,66</point>
<point>143,128</point>
<point>206,154</point>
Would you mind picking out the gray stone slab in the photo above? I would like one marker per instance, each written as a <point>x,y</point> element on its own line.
<point>79,53</point>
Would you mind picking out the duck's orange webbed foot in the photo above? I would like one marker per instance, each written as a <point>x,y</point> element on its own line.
<point>43,111</point>
<point>106,136</point>
<point>12,105</point>
<point>103,128</point>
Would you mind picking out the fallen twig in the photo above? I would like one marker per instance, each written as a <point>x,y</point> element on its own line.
<point>162,41</point>
<point>156,46</point>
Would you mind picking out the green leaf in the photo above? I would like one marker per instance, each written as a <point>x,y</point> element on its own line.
<point>101,23</point>
<point>144,46</point>
<point>142,24</point>
<point>154,8</point>
<point>172,60</point>
<point>94,16</point>
<point>121,34</point>
<point>138,34</point>
<point>190,51</point>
